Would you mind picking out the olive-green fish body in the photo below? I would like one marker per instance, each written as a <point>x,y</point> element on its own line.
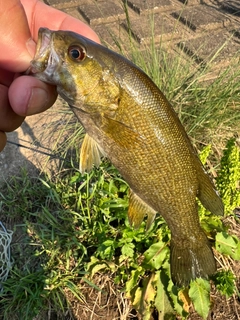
<point>128,119</point>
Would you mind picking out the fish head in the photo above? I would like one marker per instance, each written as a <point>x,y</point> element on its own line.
<point>79,67</point>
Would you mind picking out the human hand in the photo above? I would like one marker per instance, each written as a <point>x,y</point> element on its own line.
<point>22,95</point>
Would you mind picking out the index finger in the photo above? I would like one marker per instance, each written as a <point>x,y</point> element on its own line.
<point>19,24</point>
<point>41,15</point>
<point>15,34</point>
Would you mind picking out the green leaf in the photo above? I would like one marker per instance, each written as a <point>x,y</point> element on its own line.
<point>177,303</point>
<point>128,249</point>
<point>229,176</point>
<point>162,302</point>
<point>199,293</point>
<point>95,265</point>
<point>107,249</point>
<point>225,282</point>
<point>204,154</point>
<point>228,245</point>
<point>212,223</point>
<point>155,255</point>
<point>133,281</point>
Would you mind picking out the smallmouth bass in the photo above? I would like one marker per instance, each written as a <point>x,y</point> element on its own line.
<point>129,120</point>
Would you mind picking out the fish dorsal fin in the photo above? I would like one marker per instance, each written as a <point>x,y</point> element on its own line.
<point>207,193</point>
<point>90,154</point>
<point>137,210</point>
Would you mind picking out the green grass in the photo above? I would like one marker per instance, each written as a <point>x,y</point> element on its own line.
<point>71,228</point>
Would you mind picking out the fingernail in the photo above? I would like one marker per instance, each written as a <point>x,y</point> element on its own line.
<point>37,102</point>
<point>31,47</point>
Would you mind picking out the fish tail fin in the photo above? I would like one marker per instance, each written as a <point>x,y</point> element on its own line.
<point>189,263</point>
<point>208,194</point>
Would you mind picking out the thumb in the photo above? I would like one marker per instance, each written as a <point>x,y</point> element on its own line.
<point>17,47</point>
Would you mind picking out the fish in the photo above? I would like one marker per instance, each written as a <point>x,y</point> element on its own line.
<point>129,120</point>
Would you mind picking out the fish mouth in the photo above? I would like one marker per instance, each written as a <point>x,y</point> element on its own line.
<point>46,59</point>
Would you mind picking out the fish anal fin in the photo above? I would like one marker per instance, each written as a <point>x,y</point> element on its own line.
<point>137,210</point>
<point>90,154</point>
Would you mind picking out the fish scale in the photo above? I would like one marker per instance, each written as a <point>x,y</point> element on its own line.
<point>129,120</point>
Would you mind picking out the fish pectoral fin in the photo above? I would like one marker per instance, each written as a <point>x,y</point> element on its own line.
<point>137,210</point>
<point>90,154</point>
<point>122,134</point>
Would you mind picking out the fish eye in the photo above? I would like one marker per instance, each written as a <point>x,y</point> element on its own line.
<point>76,53</point>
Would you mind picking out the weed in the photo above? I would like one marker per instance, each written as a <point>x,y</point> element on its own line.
<point>77,228</point>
